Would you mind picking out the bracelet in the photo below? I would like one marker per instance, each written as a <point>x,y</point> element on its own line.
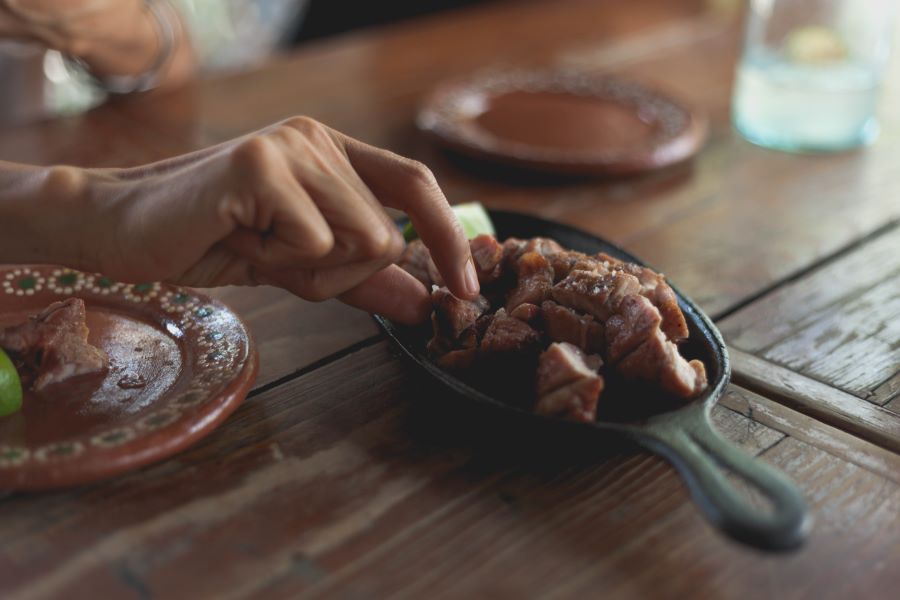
<point>149,79</point>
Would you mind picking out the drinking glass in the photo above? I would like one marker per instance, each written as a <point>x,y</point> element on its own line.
<point>811,71</point>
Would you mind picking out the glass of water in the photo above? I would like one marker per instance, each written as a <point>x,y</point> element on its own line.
<point>811,71</point>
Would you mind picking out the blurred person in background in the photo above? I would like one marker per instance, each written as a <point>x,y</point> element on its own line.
<point>66,56</point>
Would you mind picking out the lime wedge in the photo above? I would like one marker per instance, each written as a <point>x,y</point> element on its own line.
<point>472,216</point>
<point>10,386</point>
<point>814,44</point>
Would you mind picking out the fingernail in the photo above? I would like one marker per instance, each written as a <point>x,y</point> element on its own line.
<point>471,278</point>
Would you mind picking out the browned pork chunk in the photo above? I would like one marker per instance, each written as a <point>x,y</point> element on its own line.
<point>657,360</point>
<point>508,334</point>
<point>563,324</point>
<point>53,345</point>
<point>596,294</point>
<point>487,254</point>
<point>657,291</point>
<point>416,260</point>
<point>568,385</point>
<point>454,315</point>
<point>638,348</point>
<point>534,280</point>
<point>526,312</point>
<point>513,248</point>
<point>637,320</point>
<point>581,305</point>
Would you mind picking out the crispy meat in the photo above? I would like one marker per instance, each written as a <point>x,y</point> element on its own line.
<point>508,334</point>
<point>567,386</point>
<point>416,260</point>
<point>596,294</point>
<point>582,306</point>
<point>513,248</point>
<point>543,246</point>
<point>576,401</point>
<point>657,291</point>
<point>563,324</point>
<point>526,312</point>
<point>487,254</point>
<point>454,315</point>
<point>53,345</point>
<point>534,280</point>
<point>638,348</point>
<point>636,321</point>
<point>657,360</point>
<point>564,262</point>
<point>663,297</point>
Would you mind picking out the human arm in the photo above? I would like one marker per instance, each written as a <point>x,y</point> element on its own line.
<point>297,205</point>
<point>113,38</point>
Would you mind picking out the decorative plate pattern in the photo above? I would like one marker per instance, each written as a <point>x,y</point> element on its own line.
<point>215,367</point>
<point>450,115</point>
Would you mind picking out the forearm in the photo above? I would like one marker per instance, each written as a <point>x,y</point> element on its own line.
<point>43,213</point>
<point>135,46</point>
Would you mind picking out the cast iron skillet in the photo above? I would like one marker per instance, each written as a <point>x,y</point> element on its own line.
<point>681,433</point>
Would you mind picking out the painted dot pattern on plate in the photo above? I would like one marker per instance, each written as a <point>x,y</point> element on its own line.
<point>23,281</point>
<point>217,339</point>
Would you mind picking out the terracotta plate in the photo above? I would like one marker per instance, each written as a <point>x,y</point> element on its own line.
<point>563,122</point>
<point>180,363</point>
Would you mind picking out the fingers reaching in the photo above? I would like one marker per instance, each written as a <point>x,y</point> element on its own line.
<point>393,293</point>
<point>409,186</point>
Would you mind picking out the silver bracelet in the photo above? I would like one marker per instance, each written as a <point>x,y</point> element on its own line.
<point>127,84</point>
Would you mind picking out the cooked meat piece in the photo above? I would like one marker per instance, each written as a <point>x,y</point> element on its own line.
<point>54,344</point>
<point>564,262</point>
<point>636,321</point>
<point>507,334</point>
<point>458,360</point>
<point>526,312</point>
<point>657,360</point>
<point>576,401</point>
<point>611,261</point>
<point>584,305</point>
<point>596,294</point>
<point>563,324</point>
<point>655,289</point>
<point>416,260</point>
<point>487,254</point>
<point>543,246</point>
<point>567,386</point>
<point>453,316</point>
<point>534,280</point>
<point>674,324</point>
<point>562,363</point>
<point>513,248</point>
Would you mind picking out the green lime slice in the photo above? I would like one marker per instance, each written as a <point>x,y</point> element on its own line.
<point>472,216</point>
<point>10,386</point>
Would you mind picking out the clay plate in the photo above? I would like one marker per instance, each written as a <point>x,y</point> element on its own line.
<point>562,122</point>
<point>193,355</point>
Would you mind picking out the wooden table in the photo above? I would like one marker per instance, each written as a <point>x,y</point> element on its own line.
<point>339,477</point>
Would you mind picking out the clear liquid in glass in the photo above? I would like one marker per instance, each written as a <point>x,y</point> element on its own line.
<point>805,107</point>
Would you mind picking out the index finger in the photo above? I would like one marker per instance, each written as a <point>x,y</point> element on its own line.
<point>409,186</point>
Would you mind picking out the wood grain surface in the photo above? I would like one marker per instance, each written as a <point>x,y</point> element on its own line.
<point>346,475</point>
<point>349,481</point>
<point>828,343</point>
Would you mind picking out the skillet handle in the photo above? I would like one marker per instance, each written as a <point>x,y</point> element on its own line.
<point>702,456</point>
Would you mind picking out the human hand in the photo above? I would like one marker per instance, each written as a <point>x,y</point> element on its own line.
<point>113,37</point>
<point>297,205</point>
<point>70,26</point>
